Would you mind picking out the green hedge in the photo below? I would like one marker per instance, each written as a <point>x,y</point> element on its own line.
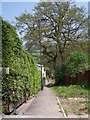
<point>23,71</point>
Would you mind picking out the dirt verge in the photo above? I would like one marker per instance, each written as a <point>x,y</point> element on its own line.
<point>75,106</point>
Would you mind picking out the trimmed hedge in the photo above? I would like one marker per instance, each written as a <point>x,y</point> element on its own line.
<point>23,73</point>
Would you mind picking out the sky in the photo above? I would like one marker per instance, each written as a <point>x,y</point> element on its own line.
<point>41,0</point>
<point>12,9</point>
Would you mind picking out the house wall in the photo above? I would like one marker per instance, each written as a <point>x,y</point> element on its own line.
<point>43,71</point>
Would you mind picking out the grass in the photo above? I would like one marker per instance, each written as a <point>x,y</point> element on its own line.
<point>72,91</point>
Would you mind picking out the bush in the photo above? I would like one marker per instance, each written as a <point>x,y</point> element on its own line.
<point>78,62</point>
<point>60,75</point>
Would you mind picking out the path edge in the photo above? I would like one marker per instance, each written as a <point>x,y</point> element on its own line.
<point>60,106</point>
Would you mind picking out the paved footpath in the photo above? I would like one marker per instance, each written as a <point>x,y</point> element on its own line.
<point>45,105</point>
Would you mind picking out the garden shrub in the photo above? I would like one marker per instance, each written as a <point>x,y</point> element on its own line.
<point>77,62</point>
<point>60,75</point>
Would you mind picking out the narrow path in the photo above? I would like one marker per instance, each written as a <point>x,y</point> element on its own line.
<point>45,105</point>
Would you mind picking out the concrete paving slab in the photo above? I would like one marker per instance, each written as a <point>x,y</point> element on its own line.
<point>45,104</point>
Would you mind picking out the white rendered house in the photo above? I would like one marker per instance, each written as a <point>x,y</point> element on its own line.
<point>43,71</point>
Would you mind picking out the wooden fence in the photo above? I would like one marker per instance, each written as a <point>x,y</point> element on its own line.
<point>81,78</point>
